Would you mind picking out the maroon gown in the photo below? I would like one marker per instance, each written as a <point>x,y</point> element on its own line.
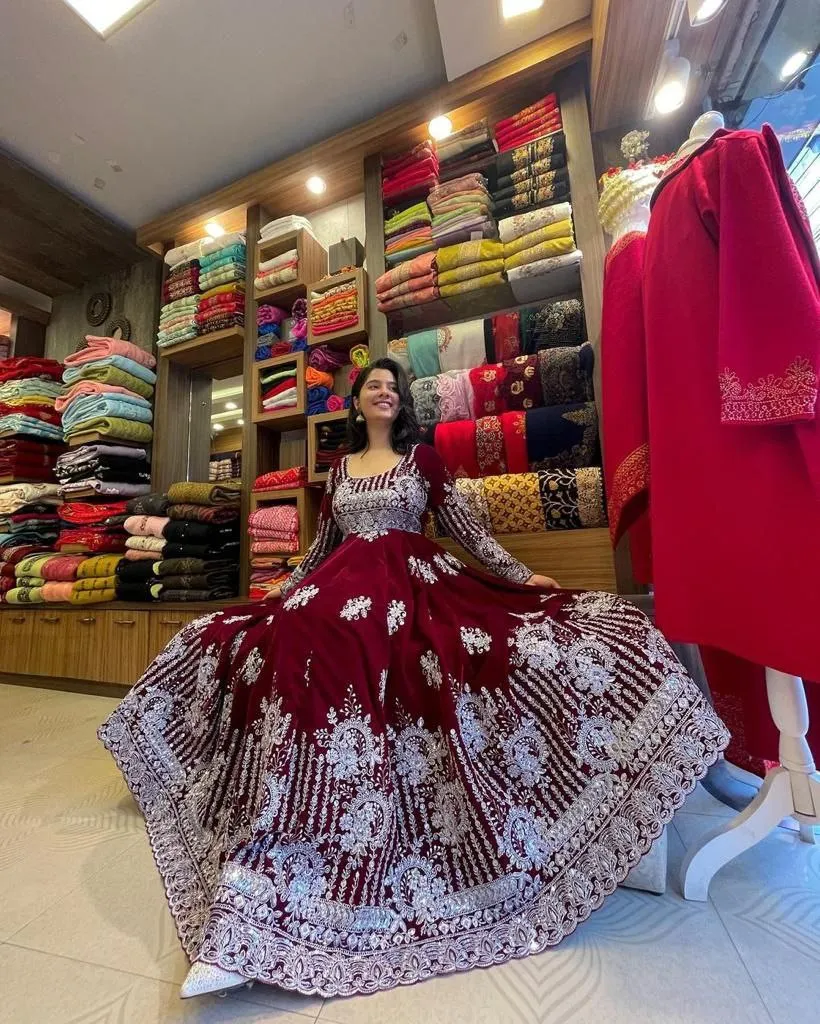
<point>406,767</point>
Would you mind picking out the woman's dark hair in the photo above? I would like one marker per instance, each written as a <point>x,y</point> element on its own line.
<point>405,426</point>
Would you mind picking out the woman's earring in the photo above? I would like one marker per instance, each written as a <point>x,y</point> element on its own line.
<point>360,418</point>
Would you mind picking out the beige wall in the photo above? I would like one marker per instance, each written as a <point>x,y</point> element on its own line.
<point>134,293</point>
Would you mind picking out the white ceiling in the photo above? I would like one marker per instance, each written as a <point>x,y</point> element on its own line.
<point>192,94</point>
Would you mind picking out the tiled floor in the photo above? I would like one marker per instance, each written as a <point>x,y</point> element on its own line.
<point>85,936</point>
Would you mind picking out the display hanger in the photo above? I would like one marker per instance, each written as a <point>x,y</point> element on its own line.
<point>791,790</point>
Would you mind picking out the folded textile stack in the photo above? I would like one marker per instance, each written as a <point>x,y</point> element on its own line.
<point>532,176</point>
<point>280,269</point>
<point>221,307</point>
<point>531,123</point>
<point>331,445</point>
<point>408,232</point>
<point>269,320</point>
<point>278,387</point>
<point>269,571</point>
<point>29,388</point>
<point>225,467</point>
<point>409,284</point>
<point>110,471</point>
<point>334,309</point>
<point>282,479</point>
<point>29,525</point>
<point>91,527</point>
<point>323,363</point>
<point>469,266</point>
<point>23,461</point>
<point>284,226</point>
<point>466,151</point>
<point>195,579</point>
<point>203,524</point>
<point>96,581</point>
<point>462,209</point>
<point>52,576</point>
<point>181,282</point>
<point>555,324</point>
<point>178,321</point>
<point>225,264</point>
<point>274,530</point>
<point>538,242</point>
<point>411,174</point>
<point>137,579</point>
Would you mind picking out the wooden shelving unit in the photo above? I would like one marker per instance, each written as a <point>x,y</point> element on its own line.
<point>220,353</point>
<point>307,501</point>
<point>293,417</point>
<point>349,335</point>
<point>313,424</point>
<point>311,266</point>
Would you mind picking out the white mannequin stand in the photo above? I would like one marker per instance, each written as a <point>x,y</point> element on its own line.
<point>790,791</point>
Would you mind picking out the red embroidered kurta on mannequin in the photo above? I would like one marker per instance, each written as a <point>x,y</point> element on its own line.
<point>733,330</point>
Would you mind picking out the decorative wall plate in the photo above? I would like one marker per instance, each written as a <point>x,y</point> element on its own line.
<point>98,308</point>
<point>119,327</point>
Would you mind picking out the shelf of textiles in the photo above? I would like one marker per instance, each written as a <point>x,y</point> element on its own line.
<point>337,309</point>
<point>225,465</point>
<point>479,222</point>
<point>330,376</point>
<point>281,526</point>
<point>289,258</point>
<point>203,297</point>
<point>280,392</point>
<point>31,437</point>
<point>326,443</point>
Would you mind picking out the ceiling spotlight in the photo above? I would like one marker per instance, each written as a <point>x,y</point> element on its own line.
<point>794,64</point>
<point>106,16</point>
<point>512,8</point>
<point>231,405</point>
<point>701,11</point>
<point>214,230</point>
<point>671,92</point>
<point>316,184</point>
<point>217,426</point>
<point>440,127</point>
<point>241,423</point>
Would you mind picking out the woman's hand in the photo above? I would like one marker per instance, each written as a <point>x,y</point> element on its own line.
<point>543,581</point>
<point>273,594</point>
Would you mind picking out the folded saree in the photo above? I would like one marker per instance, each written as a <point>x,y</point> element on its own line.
<point>98,596</point>
<point>86,388</point>
<point>85,370</point>
<point>24,595</point>
<point>146,543</point>
<point>408,287</point>
<point>473,284</point>
<point>97,566</point>
<point>282,479</point>
<point>21,367</point>
<point>456,444</point>
<point>225,493</point>
<point>146,526</point>
<point>97,348</point>
<point>418,297</point>
<point>521,225</point>
<point>543,266</point>
<point>204,513</point>
<point>276,277</point>
<point>454,256</point>
<point>563,436</point>
<point>114,427</point>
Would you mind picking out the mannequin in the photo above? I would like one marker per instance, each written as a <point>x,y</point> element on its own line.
<point>736,443</point>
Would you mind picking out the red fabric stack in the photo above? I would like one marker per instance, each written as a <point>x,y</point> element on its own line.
<point>27,461</point>
<point>182,281</point>
<point>282,479</point>
<point>541,118</point>
<point>411,174</point>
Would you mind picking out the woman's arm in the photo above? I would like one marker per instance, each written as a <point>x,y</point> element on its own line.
<point>328,537</point>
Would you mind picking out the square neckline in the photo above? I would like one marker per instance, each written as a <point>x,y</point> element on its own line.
<point>377,476</point>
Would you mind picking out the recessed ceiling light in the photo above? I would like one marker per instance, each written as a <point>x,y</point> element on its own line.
<point>231,405</point>
<point>217,426</point>
<point>701,11</point>
<point>241,423</point>
<point>794,64</point>
<point>672,91</point>
<point>106,16</point>
<point>316,184</point>
<point>512,8</point>
<point>214,230</point>
<point>440,127</point>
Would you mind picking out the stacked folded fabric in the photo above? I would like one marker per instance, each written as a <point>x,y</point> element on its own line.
<point>323,363</point>
<point>274,530</point>
<point>96,580</point>
<point>466,151</point>
<point>27,461</point>
<point>52,576</point>
<point>269,320</point>
<point>470,266</point>
<point>221,307</point>
<point>269,571</point>
<point>532,176</point>
<point>29,388</point>
<point>335,309</point>
<point>203,524</point>
<point>91,527</point>
<point>137,579</point>
<point>282,479</point>
<point>177,321</point>
<point>462,209</point>
<point>411,174</point>
<point>181,282</point>
<point>225,264</point>
<point>332,444</point>
<point>111,471</point>
<point>285,226</point>
<point>409,284</point>
<point>538,119</point>
<point>408,232</point>
<point>225,467</point>
<point>29,525</point>
<point>146,538</point>
<point>319,386</point>
<point>538,242</point>
<point>280,269</point>
<point>278,387</point>
<point>195,579</point>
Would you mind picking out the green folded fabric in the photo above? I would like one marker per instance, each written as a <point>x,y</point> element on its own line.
<point>123,379</point>
<point>115,428</point>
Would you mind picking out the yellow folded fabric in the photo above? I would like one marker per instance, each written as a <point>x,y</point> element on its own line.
<point>32,565</point>
<point>470,270</point>
<point>460,287</point>
<point>99,565</point>
<point>452,256</point>
<point>561,229</point>
<point>92,596</point>
<point>544,251</point>
<point>95,583</point>
<point>514,503</point>
<point>223,289</point>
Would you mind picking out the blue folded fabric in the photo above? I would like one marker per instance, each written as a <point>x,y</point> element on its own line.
<point>262,352</point>
<point>222,256</point>
<point>71,374</point>
<point>30,427</point>
<point>317,400</point>
<point>93,406</point>
<point>300,345</point>
<point>266,329</point>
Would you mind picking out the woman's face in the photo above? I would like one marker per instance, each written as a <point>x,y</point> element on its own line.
<point>379,398</point>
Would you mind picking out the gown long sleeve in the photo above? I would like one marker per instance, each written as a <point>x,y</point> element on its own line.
<point>328,537</point>
<point>459,523</point>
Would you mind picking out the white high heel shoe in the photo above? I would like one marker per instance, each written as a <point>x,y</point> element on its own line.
<point>207,979</point>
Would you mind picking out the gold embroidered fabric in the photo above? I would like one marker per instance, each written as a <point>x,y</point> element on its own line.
<point>470,270</point>
<point>452,256</point>
<point>629,479</point>
<point>544,233</point>
<point>514,503</point>
<point>545,250</point>
<point>489,438</point>
<point>770,399</point>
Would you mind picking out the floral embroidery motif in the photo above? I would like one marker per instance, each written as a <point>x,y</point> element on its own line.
<point>351,750</point>
<point>534,647</point>
<point>596,739</point>
<point>475,640</point>
<point>252,667</point>
<point>421,570</point>
<point>592,667</point>
<point>450,815</point>
<point>431,668</point>
<point>523,841</point>
<point>526,753</point>
<point>299,598</point>
<point>396,616</point>
<point>416,888</point>
<point>356,608</point>
<point>418,752</point>
<point>770,399</point>
<point>474,722</point>
<point>372,535</point>
<point>448,564</point>
<point>366,822</point>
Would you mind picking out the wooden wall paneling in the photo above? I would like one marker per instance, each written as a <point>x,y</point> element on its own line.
<point>199,426</point>
<point>374,253</point>
<point>28,337</point>
<point>227,441</point>
<point>172,426</point>
<point>280,186</point>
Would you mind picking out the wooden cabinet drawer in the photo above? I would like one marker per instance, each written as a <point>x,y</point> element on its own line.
<point>164,627</point>
<point>54,653</point>
<point>124,646</point>
<point>16,641</point>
